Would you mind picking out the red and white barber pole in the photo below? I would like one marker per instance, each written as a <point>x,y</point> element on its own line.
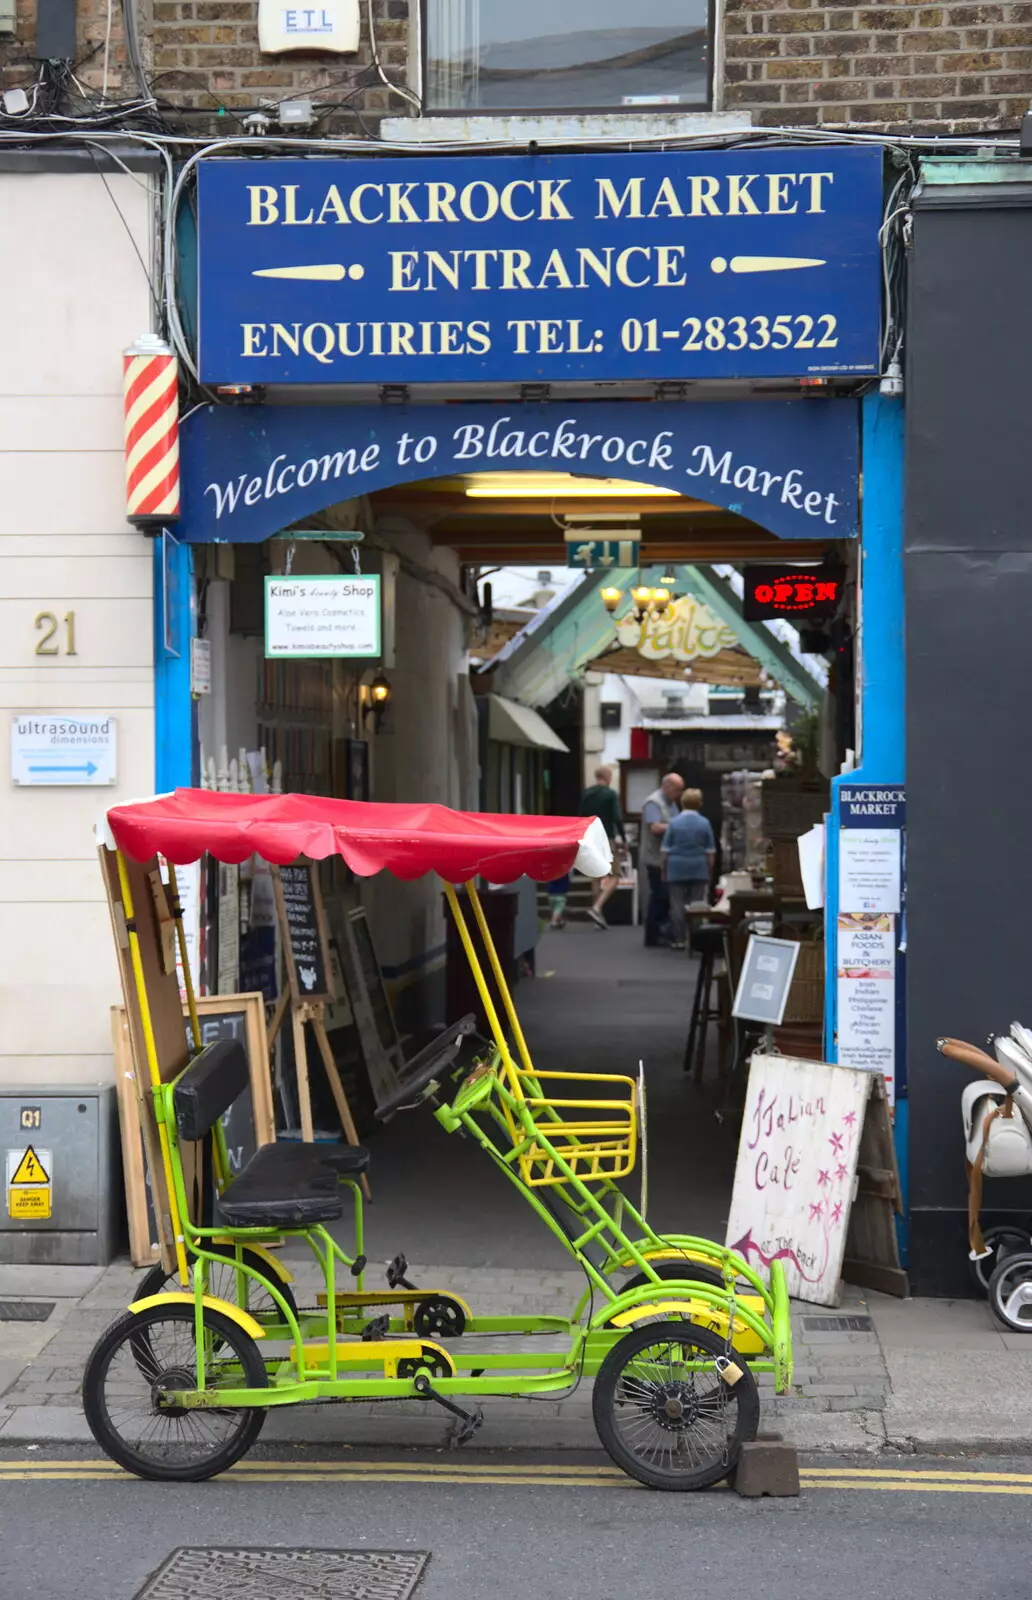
<point>151,384</point>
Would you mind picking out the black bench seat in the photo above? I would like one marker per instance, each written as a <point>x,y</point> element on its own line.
<point>284,1185</point>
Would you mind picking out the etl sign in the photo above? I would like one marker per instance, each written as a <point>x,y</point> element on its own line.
<point>333,26</point>
<point>62,749</point>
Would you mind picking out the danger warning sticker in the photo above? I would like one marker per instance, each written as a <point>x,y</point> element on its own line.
<point>29,1205</point>
<point>29,1167</point>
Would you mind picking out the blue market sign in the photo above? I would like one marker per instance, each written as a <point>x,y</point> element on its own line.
<point>790,465</point>
<point>866,805</point>
<point>445,269</point>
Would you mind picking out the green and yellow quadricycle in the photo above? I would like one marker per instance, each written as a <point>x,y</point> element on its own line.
<point>671,1328</point>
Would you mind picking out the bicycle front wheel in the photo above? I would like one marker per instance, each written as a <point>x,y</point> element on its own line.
<point>138,1360</point>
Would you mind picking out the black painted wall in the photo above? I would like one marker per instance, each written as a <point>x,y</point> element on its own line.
<point>968,573</point>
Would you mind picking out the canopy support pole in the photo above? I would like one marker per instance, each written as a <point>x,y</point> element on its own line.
<point>184,959</point>
<point>496,968</point>
<point>478,974</point>
<point>152,1064</point>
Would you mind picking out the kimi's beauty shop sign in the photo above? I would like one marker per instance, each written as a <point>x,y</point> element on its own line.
<point>433,269</point>
<point>789,465</point>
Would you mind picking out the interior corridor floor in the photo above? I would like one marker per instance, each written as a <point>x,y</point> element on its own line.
<point>600,1003</point>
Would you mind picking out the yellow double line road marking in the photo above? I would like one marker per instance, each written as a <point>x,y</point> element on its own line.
<point>346,1471</point>
<point>931,1480</point>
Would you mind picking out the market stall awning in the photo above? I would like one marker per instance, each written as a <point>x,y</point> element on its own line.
<point>371,836</point>
<point>511,723</point>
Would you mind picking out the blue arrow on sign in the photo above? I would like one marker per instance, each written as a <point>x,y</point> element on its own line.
<point>89,769</point>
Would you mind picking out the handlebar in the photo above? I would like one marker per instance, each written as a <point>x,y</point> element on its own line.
<point>969,1055</point>
<point>424,1067</point>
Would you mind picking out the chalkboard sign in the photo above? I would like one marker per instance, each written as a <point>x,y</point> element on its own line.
<point>238,1121</point>
<point>249,1121</point>
<point>304,931</point>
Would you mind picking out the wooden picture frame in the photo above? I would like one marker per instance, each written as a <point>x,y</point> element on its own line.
<point>166,1016</point>
<point>144,1244</point>
<point>373,1013</point>
<point>139,1162</point>
<point>251,1008</point>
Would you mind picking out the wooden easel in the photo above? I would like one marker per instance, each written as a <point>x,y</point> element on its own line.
<point>307,957</point>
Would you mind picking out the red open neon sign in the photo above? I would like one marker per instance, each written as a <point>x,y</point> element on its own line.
<point>808,594</point>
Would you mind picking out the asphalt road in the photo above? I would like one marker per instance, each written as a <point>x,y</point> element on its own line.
<point>503,1527</point>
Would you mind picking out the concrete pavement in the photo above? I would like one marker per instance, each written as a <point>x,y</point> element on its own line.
<point>929,1375</point>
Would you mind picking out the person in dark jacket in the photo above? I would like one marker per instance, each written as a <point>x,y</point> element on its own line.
<point>601,800</point>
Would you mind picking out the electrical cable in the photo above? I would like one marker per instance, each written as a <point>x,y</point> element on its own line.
<point>107,48</point>
<point>155,295</point>
<point>401,90</point>
<point>132,47</point>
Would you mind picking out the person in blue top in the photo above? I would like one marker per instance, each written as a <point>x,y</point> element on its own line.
<point>689,850</point>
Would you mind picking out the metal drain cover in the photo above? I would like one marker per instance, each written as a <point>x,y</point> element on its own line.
<point>193,1574</point>
<point>854,1324</point>
<point>25,1310</point>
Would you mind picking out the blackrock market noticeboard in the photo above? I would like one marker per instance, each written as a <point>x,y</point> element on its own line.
<point>664,265</point>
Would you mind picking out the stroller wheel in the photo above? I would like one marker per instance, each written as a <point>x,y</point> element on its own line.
<point>1005,1240</point>
<point>1010,1292</point>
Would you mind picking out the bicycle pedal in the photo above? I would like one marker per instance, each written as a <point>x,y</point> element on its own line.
<point>377,1329</point>
<point>396,1271</point>
<point>461,1432</point>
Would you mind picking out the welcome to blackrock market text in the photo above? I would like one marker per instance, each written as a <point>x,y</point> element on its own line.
<point>474,441</point>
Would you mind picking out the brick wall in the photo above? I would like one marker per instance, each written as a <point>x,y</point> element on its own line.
<point>212,45</point>
<point>203,55</point>
<point>928,68</point>
<point>20,66</point>
<point>913,68</point>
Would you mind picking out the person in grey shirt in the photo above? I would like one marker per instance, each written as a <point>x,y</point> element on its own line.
<point>660,806</point>
<point>689,851</point>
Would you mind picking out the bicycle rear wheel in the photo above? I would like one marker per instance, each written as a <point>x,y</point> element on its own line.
<point>224,1284</point>
<point>145,1354</point>
<point>664,1412</point>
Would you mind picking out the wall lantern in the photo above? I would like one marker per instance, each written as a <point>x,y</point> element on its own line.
<point>379,693</point>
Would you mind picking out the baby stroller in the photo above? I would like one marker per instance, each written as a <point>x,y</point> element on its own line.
<point>997,1116</point>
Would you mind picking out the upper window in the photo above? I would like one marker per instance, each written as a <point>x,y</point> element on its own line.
<point>537,55</point>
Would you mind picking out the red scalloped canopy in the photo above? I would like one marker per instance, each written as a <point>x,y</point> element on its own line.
<point>407,840</point>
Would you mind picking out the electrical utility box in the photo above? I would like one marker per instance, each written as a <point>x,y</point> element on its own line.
<point>62,1175</point>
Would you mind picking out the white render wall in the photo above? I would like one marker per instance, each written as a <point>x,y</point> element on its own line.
<point>74,294</point>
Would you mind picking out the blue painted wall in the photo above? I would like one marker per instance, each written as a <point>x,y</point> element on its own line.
<point>175,742</point>
<point>881,668</point>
